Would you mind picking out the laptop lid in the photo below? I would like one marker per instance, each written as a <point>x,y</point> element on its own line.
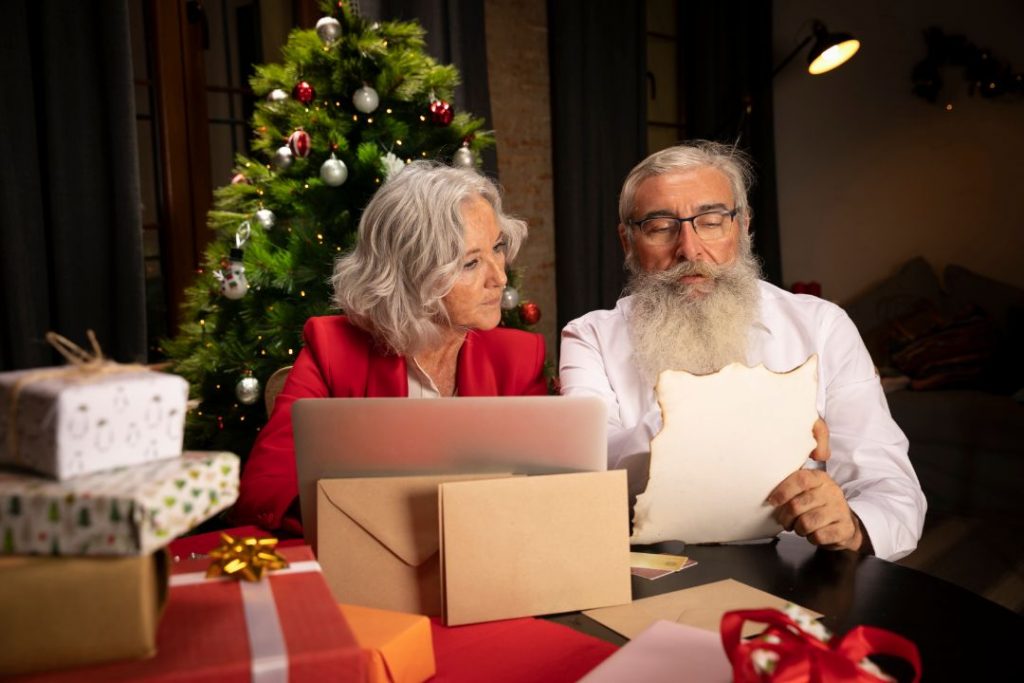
<point>372,437</point>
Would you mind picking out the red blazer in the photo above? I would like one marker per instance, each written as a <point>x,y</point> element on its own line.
<point>341,360</point>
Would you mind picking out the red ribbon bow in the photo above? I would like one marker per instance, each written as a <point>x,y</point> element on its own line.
<point>802,657</point>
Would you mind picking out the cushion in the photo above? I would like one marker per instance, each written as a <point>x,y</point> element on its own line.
<point>1004,305</point>
<point>941,350</point>
<point>999,300</point>
<point>913,285</point>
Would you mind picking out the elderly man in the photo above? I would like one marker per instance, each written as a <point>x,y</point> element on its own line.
<point>696,303</point>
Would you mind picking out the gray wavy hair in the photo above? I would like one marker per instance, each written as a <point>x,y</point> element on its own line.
<point>409,253</point>
<point>733,162</point>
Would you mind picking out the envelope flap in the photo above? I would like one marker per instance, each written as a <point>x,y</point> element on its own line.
<point>399,512</point>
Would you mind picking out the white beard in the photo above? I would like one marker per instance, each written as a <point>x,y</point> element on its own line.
<point>699,327</point>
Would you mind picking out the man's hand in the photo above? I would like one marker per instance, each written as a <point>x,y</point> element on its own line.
<point>810,503</point>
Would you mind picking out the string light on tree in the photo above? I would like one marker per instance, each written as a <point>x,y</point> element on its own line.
<point>328,29</point>
<point>365,99</point>
<point>334,172</point>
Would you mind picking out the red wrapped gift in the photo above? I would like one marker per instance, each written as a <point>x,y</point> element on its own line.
<point>789,651</point>
<point>286,627</point>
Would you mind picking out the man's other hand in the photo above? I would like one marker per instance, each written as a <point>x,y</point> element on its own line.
<point>811,503</point>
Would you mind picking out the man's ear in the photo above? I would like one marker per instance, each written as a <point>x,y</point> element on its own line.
<point>624,239</point>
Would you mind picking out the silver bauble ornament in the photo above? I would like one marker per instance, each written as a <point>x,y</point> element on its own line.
<point>277,95</point>
<point>365,99</point>
<point>247,390</point>
<point>334,172</point>
<point>329,29</point>
<point>266,218</point>
<point>283,157</point>
<point>509,298</point>
<point>463,157</point>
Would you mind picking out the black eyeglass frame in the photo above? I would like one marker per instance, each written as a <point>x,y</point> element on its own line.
<point>679,221</point>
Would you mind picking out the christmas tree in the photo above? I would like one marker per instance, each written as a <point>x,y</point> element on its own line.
<point>351,103</point>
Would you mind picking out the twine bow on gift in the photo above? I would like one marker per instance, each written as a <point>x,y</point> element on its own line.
<point>245,558</point>
<point>82,366</point>
<point>786,652</point>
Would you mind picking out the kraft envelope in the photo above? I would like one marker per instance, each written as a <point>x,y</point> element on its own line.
<point>700,606</point>
<point>377,540</point>
<point>533,545</point>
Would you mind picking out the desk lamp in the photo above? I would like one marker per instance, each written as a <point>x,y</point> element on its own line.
<point>829,50</point>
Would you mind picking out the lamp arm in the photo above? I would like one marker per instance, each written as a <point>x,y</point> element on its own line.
<point>792,54</point>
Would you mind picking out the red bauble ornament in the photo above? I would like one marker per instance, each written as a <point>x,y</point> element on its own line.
<point>529,312</point>
<point>304,93</point>
<point>441,112</point>
<point>299,143</point>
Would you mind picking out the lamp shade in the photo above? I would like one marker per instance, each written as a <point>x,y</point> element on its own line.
<point>830,50</point>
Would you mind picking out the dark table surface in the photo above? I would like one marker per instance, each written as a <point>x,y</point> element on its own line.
<point>961,636</point>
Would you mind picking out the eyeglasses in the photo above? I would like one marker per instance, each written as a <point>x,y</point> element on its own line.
<point>663,231</point>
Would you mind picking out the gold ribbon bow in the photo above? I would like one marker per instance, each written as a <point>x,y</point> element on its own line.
<point>82,366</point>
<point>245,558</point>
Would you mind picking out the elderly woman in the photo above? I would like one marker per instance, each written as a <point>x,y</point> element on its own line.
<point>421,293</point>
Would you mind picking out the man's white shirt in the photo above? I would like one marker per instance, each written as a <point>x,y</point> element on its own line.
<point>869,451</point>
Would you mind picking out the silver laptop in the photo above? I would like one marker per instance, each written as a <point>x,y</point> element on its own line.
<point>370,437</point>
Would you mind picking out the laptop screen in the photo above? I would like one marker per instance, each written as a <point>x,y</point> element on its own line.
<point>364,437</point>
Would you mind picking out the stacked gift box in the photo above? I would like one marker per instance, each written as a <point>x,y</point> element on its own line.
<point>93,486</point>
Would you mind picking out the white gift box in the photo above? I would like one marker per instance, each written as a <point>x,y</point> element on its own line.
<point>76,423</point>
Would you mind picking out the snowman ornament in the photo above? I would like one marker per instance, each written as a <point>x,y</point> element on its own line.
<point>233,284</point>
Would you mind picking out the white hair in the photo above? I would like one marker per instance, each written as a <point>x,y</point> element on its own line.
<point>409,253</point>
<point>700,327</point>
<point>732,162</point>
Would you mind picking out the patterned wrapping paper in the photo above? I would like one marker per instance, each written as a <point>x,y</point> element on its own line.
<point>77,424</point>
<point>128,511</point>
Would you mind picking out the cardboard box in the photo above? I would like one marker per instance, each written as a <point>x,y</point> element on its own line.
<point>526,546</point>
<point>377,540</point>
<point>398,647</point>
<point>70,611</point>
<point>76,424</point>
<point>128,511</point>
<point>285,627</point>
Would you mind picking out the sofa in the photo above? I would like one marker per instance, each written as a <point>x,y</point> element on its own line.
<point>951,357</point>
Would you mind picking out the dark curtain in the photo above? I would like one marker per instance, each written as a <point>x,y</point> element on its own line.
<point>455,35</point>
<point>596,52</point>
<point>70,223</point>
<point>726,66</point>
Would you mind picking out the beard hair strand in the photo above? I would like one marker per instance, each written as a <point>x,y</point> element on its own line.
<point>699,327</point>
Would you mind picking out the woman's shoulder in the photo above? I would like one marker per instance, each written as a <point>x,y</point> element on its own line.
<point>506,347</point>
<point>332,327</point>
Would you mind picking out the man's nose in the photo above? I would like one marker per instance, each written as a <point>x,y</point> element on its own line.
<point>688,246</point>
